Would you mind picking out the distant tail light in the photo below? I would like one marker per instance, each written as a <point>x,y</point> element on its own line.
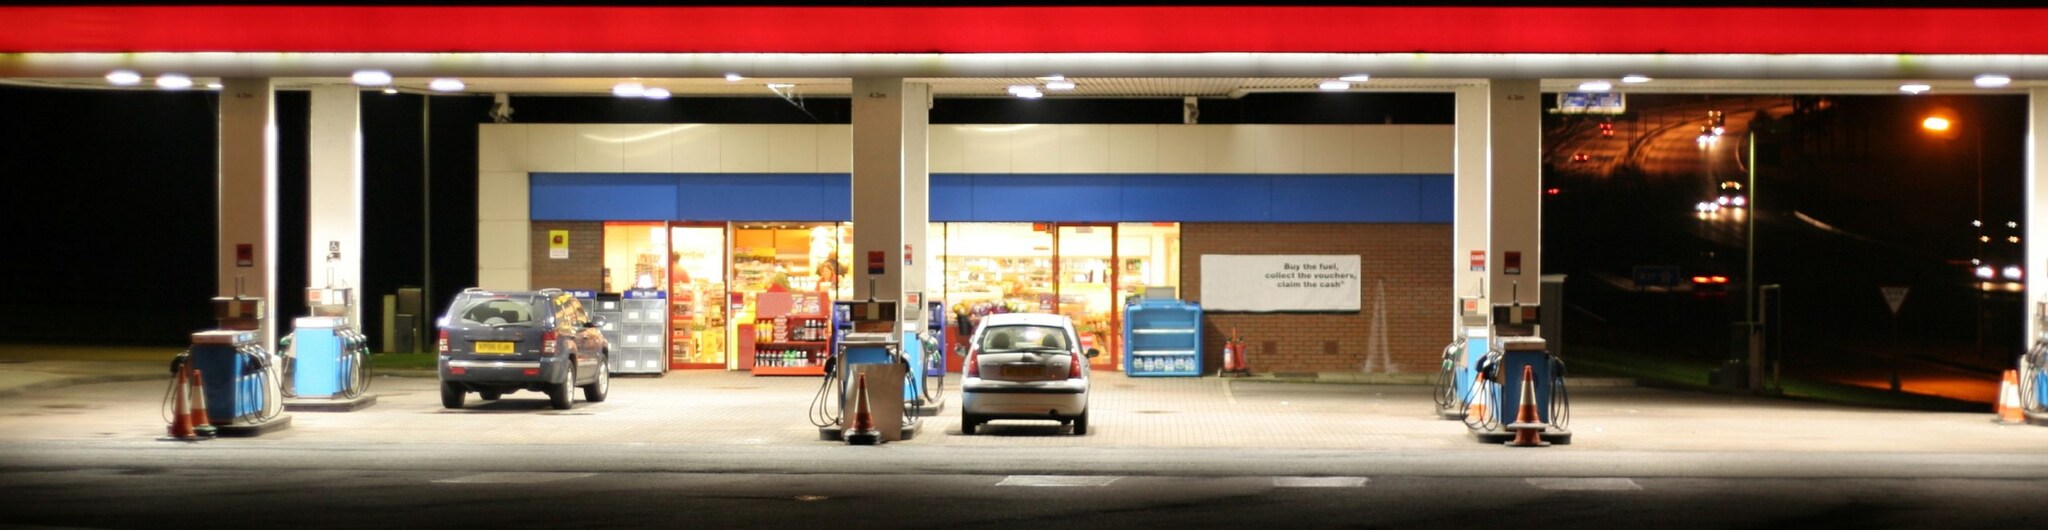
<point>974,362</point>
<point>444,341</point>
<point>547,343</point>
<point>1074,367</point>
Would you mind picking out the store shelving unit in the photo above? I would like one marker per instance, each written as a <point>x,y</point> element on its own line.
<point>1163,338</point>
<point>792,350</point>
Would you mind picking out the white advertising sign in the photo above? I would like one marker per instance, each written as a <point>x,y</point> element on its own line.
<point>1269,283</point>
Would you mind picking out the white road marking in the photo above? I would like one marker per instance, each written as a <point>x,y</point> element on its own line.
<point>1057,480</point>
<point>1585,484</point>
<point>1319,482</point>
<point>513,478</point>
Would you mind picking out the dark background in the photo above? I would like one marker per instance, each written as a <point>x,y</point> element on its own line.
<point>115,189</point>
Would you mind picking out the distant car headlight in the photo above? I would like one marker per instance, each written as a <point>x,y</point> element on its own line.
<point>1985,272</point>
<point>2012,272</point>
<point>1705,206</point>
<point>1739,201</point>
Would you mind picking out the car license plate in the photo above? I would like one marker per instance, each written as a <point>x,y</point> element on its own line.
<point>494,347</point>
<point>1023,370</point>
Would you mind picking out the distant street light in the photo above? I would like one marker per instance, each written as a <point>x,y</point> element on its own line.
<point>1935,123</point>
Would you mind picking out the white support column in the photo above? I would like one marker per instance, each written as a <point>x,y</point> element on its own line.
<point>1514,161</point>
<point>334,206</point>
<point>2037,206</point>
<point>916,198</point>
<point>878,173</point>
<point>1468,211</point>
<point>248,195</point>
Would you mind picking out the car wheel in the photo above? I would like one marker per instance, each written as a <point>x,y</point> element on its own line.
<point>969,424</point>
<point>563,395</point>
<point>1081,424</point>
<point>595,391</point>
<point>451,395</point>
<point>489,395</point>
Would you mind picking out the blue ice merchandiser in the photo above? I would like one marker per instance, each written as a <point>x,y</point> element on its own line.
<point>1163,337</point>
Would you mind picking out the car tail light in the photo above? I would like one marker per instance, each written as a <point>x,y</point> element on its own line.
<point>457,370</point>
<point>547,343</point>
<point>1074,368</point>
<point>1720,279</point>
<point>444,341</point>
<point>974,362</point>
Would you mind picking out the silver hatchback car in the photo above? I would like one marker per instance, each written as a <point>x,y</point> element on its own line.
<point>1026,366</point>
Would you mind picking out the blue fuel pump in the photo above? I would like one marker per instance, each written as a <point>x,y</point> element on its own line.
<point>326,360</point>
<point>1498,384</point>
<point>240,381</point>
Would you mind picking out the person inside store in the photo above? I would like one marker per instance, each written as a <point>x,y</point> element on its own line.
<point>828,272</point>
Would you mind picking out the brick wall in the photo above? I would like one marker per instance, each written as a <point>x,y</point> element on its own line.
<point>1413,259</point>
<point>585,266</point>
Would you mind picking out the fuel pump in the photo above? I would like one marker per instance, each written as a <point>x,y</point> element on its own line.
<point>2033,381</point>
<point>1517,347</point>
<point>326,360</point>
<point>240,378</point>
<point>869,338</point>
<point>1469,343</point>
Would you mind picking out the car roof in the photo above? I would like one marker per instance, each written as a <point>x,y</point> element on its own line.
<point>1025,319</point>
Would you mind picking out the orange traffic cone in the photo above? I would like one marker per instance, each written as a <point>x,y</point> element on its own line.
<point>181,410</point>
<point>2009,408</point>
<point>1527,426</point>
<point>200,425</point>
<point>863,431</point>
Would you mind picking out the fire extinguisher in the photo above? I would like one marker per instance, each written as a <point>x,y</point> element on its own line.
<point>1233,354</point>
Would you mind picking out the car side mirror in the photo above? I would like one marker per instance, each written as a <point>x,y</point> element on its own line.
<point>1093,353</point>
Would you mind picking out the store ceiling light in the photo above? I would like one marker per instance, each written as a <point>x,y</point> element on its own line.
<point>733,78</point>
<point>1054,77</point>
<point>1031,95</point>
<point>656,93</point>
<point>389,91</point>
<point>124,78</point>
<point>446,85</point>
<point>1019,89</point>
<point>1059,85</point>
<point>629,90</point>
<point>371,77</point>
<point>1334,85</point>
<point>215,86</point>
<point>1355,78</point>
<point>1596,86</point>
<point>1635,78</point>
<point>1993,80</point>
<point>173,81</point>
<point>1915,88</point>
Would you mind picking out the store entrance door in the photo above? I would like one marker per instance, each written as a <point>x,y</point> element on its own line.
<point>1085,283</point>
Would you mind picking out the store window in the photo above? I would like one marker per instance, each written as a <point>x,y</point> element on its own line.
<point>697,296</point>
<point>785,276</point>
<point>997,268</point>
<point>635,256</point>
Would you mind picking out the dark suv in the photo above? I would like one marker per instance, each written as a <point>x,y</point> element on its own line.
<point>496,342</point>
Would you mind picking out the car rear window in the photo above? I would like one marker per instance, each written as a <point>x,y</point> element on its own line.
<point>493,311</point>
<point>1021,338</point>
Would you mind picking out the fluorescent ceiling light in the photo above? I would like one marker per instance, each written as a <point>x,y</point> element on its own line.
<point>1635,78</point>
<point>734,78</point>
<point>1019,89</point>
<point>446,85</point>
<point>1596,86</point>
<point>780,86</point>
<point>173,81</point>
<point>1059,85</point>
<point>1334,85</point>
<point>656,93</point>
<point>628,90</point>
<point>1993,80</point>
<point>371,77</point>
<point>390,90</point>
<point>1031,95</point>
<point>1355,78</point>
<point>124,78</point>
<point>1054,77</point>
<point>215,86</point>
<point>1915,88</point>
